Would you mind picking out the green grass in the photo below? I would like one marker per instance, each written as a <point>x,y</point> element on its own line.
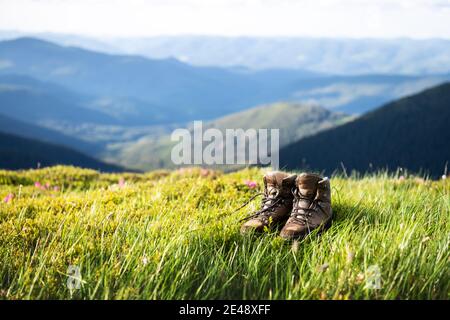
<point>171,235</point>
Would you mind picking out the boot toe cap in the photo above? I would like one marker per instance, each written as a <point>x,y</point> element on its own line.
<point>253,225</point>
<point>293,231</point>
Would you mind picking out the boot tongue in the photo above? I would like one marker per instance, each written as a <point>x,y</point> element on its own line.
<point>275,178</point>
<point>324,191</point>
<point>273,182</point>
<point>307,185</point>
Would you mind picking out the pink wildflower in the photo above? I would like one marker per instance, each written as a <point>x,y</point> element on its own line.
<point>251,184</point>
<point>38,185</point>
<point>121,182</point>
<point>55,188</point>
<point>8,198</point>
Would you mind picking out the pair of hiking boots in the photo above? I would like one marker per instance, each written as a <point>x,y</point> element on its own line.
<point>302,203</point>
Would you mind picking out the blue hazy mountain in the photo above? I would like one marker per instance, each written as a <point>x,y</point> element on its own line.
<point>322,55</point>
<point>23,153</point>
<point>35,101</point>
<point>31,131</point>
<point>137,89</point>
<point>193,91</point>
<point>411,133</point>
<point>36,104</point>
<point>362,93</point>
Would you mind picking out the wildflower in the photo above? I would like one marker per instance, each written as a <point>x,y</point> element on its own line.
<point>444,177</point>
<point>186,170</point>
<point>402,246</point>
<point>324,267</point>
<point>204,172</point>
<point>401,178</point>
<point>251,184</point>
<point>144,261</point>
<point>8,198</point>
<point>360,277</point>
<point>39,185</point>
<point>121,183</point>
<point>55,188</point>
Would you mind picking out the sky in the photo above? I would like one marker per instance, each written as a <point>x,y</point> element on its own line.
<point>312,18</point>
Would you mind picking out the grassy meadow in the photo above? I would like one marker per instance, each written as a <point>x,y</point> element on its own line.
<point>174,235</point>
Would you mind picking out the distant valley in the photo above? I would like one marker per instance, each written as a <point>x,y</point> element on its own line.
<point>294,120</point>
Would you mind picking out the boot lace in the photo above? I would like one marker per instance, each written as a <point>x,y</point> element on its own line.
<point>302,215</point>
<point>268,205</point>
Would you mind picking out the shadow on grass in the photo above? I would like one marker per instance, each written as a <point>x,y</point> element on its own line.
<point>344,213</point>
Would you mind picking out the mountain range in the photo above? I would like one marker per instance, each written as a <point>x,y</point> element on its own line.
<point>148,91</point>
<point>411,133</point>
<point>122,108</point>
<point>165,84</point>
<point>344,56</point>
<point>322,55</point>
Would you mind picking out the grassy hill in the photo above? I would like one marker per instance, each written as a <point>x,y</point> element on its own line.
<point>132,241</point>
<point>412,133</point>
<point>23,153</point>
<point>295,120</point>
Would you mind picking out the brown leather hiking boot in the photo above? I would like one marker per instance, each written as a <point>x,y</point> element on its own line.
<point>312,206</point>
<point>276,204</point>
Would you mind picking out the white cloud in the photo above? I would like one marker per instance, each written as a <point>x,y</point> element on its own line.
<point>328,18</point>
